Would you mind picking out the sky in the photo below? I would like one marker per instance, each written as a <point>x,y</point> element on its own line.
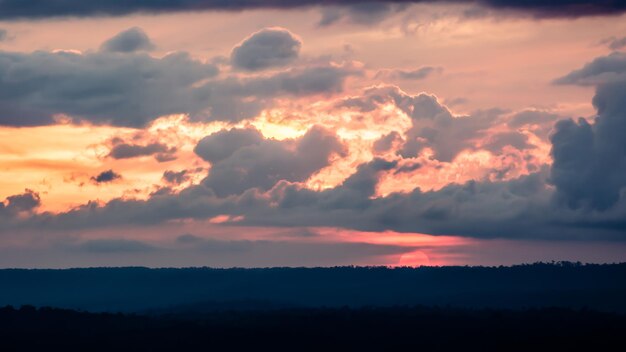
<point>298,133</point>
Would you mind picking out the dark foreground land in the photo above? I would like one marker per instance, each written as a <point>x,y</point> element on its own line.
<point>337,329</point>
<point>538,307</point>
<point>141,290</point>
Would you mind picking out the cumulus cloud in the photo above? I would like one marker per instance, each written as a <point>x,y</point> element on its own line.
<point>243,159</point>
<point>17,9</point>
<point>259,181</point>
<point>130,40</point>
<point>267,48</point>
<point>134,89</point>
<point>589,169</point>
<point>106,176</point>
<point>123,90</point>
<point>433,125</point>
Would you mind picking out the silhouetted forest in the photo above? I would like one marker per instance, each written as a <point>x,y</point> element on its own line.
<point>322,329</point>
<point>567,285</point>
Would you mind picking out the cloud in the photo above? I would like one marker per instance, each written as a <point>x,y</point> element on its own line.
<point>259,181</point>
<point>589,168</point>
<point>267,48</point>
<point>614,43</point>
<point>134,89</point>
<point>386,142</point>
<point>19,9</point>
<point>433,125</point>
<point>410,75</point>
<point>127,151</point>
<point>222,144</point>
<point>105,246</point>
<point>15,204</point>
<point>610,68</point>
<point>4,34</point>
<point>130,40</point>
<point>102,88</point>
<point>243,159</point>
<point>362,13</point>
<point>176,178</point>
<point>106,176</point>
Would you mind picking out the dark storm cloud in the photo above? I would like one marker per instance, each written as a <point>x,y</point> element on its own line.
<point>127,151</point>
<point>243,159</point>
<point>106,176</point>
<point>268,48</point>
<point>130,40</point>
<point>18,9</point>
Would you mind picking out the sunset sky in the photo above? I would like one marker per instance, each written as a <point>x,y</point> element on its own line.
<point>285,133</point>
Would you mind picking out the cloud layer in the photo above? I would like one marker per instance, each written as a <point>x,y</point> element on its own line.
<point>18,9</point>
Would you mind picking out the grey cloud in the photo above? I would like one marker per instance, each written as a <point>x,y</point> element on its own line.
<point>105,246</point>
<point>455,101</point>
<point>127,151</point>
<point>130,40</point>
<point>589,169</point>
<point>106,176</point>
<point>222,144</point>
<point>532,117</point>
<point>610,68</point>
<point>19,9</point>
<point>408,168</point>
<point>242,159</point>
<point>433,125</point>
<point>174,177</point>
<point>268,48</point>
<point>614,43</point>
<point>364,13</point>
<point>24,202</point>
<point>188,238</point>
<point>519,208</point>
<point>385,143</point>
<point>131,90</point>
<point>514,139</point>
<point>124,90</point>
<point>416,74</point>
<point>4,34</point>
